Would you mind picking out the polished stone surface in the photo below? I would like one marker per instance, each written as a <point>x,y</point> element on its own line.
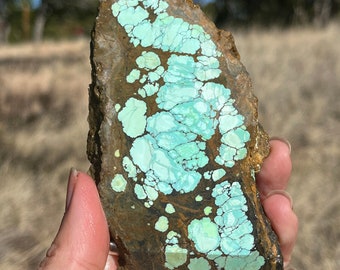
<point>174,140</point>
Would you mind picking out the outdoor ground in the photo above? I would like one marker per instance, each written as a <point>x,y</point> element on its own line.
<point>43,129</point>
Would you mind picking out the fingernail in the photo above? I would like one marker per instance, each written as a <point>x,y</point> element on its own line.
<point>111,263</point>
<point>72,179</point>
<point>50,253</point>
<point>112,258</point>
<point>284,141</point>
<point>283,193</point>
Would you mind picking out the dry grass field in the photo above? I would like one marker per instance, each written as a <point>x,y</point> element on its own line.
<point>43,129</point>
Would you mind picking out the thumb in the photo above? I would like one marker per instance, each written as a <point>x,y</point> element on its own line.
<point>82,241</point>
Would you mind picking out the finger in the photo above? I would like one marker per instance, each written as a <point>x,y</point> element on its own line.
<point>276,168</point>
<point>278,209</point>
<point>83,238</point>
<point>111,262</point>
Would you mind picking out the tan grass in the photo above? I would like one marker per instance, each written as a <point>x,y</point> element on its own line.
<point>296,78</point>
<point>43,129</point>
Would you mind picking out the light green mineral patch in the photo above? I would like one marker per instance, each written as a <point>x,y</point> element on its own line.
<point>218,174</point>
<point>117,153</point>
<point>148,60</point>
<point>117,107</point>
<point>198,198</point>
<point>133,117</point>
<point>207,68</point>
<point>159,165</point>
<point>118,183</point>
<point>139,191</point>
<point>229,233</point>
<point>133,76</point>
<point>207,210</point>
<point>129,167</point>
<point>175,256</point>
<point>165,32</point>
<point>237,239</point>
<point>230,122</point>
<point>172,237</point>
<point>148,204</point>
<point>169,208</point>
<point>205,235</point>
<point>233,145</point>
<point>146,192</point>
<point>253,261</point>
<point>141,152</point>
<point>151,192</point>
<point>216,94</point>
<point>199,264</point>
<point>148,89</point>
<point>207,175</point>
<point>162,224</point>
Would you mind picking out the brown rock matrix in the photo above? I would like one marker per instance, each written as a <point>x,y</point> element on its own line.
<point>175,142</point>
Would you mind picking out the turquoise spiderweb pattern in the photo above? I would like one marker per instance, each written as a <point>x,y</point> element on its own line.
<point>169,146</point>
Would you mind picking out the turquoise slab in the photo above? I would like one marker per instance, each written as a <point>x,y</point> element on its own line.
<point>174,140</point>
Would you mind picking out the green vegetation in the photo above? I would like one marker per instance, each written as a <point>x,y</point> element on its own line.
<point>60,24</point>
<point>20,21</point>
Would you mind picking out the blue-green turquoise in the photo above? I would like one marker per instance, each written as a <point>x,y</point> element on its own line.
<point>169,146</point>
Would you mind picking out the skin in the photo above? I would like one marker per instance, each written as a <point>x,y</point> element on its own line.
<point>82,241</point>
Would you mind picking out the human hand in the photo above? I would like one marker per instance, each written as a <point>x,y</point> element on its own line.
<point>82,241</point>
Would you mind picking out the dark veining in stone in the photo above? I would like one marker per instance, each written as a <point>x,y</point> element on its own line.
<point>174,140</point>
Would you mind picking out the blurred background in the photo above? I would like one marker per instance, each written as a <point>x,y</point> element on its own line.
<point>290,48</point>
